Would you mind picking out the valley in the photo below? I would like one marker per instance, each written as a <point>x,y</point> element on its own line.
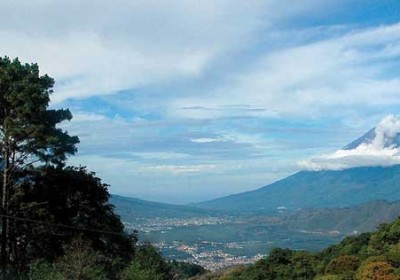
<point>309,210</point>
<point>218,242</point>
<point>216,239</point>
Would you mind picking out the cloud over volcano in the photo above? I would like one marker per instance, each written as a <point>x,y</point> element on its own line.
<point>378,147</point>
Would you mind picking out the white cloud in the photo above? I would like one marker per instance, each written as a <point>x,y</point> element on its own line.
<point>179,169</point>
<point>160,155</point>
<point>380,150</point>
<point>83,65</point>
<point>206,140</point>
<point>87,117</point>
<point>100,47</point>
<point>322,78</point>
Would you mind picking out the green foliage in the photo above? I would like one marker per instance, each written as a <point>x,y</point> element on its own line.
<point>42,270</point>
<point>393,254</point>
<point>344,266</point>
<point>28,127</point>
<point>281,264</point>
<point>183,270</point>
<point>73,197</point>
<point>306,265</point>
<point>147,264</point>
<point>329,277</point>
<point>387,235</point>
<point>29,137</point>
<point>81,262</point>
<point>352,245</point>
<point>376,271</point>
<point>367,256</point>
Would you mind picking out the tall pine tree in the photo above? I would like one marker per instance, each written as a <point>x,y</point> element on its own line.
<point>29,135</point>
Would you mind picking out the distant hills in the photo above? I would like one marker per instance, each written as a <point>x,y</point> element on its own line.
<point>363,217</point>
<point>316,189</point>
<point>360,218</point>
<point>303,190</point>
<point>129,208</point>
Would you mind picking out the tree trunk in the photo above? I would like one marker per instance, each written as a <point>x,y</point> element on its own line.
<point>4,212</point>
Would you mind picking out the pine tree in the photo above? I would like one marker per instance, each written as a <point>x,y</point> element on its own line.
<point>29,135</point>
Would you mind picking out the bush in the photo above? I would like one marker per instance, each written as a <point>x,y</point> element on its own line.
<point>80,262</point>
<point>147,264</point>
<point>376,271</point>
<point>42,270</point>
<point>345,266</point>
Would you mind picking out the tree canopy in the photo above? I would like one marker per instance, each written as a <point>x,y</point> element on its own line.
<point>28,131</point>
<point>28,128</point>
<point>45,205</point>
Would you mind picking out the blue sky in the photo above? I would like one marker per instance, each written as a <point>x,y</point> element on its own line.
<point>182,101</point>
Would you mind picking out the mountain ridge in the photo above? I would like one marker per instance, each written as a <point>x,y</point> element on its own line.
<point>316,189</point>
<point>131,207</point>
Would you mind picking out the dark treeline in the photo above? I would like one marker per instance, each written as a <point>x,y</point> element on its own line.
<point>56,220</point>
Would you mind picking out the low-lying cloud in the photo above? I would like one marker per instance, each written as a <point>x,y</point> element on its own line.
<point>380,148</point>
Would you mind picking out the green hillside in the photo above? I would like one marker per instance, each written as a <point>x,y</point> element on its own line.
<point>366,256</point>
<point>360,218</point>
<point>316,189</point>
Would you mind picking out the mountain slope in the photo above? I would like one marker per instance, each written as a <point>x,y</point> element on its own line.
<point>367,138</point>
<point>129,208</point>
<point>360,218</point>
<point>316,189</point>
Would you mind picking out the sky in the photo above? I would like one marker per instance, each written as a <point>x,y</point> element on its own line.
<point>184,101</point>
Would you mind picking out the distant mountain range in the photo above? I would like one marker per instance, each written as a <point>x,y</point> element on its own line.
<point>326,188</point>
<point>129,208</point>
<point>303,190</point>
<point>360,218</point>
<point>363,217</point>
<point>311,229</point>
<point>308,210</point>
<point>316,189</point>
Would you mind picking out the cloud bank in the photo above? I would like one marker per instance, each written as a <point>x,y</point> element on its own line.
<point>98,47</point>
<point>325,77</point>
<point>380,148</point>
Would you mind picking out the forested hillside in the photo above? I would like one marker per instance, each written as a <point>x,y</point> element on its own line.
<point>363,257</point>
